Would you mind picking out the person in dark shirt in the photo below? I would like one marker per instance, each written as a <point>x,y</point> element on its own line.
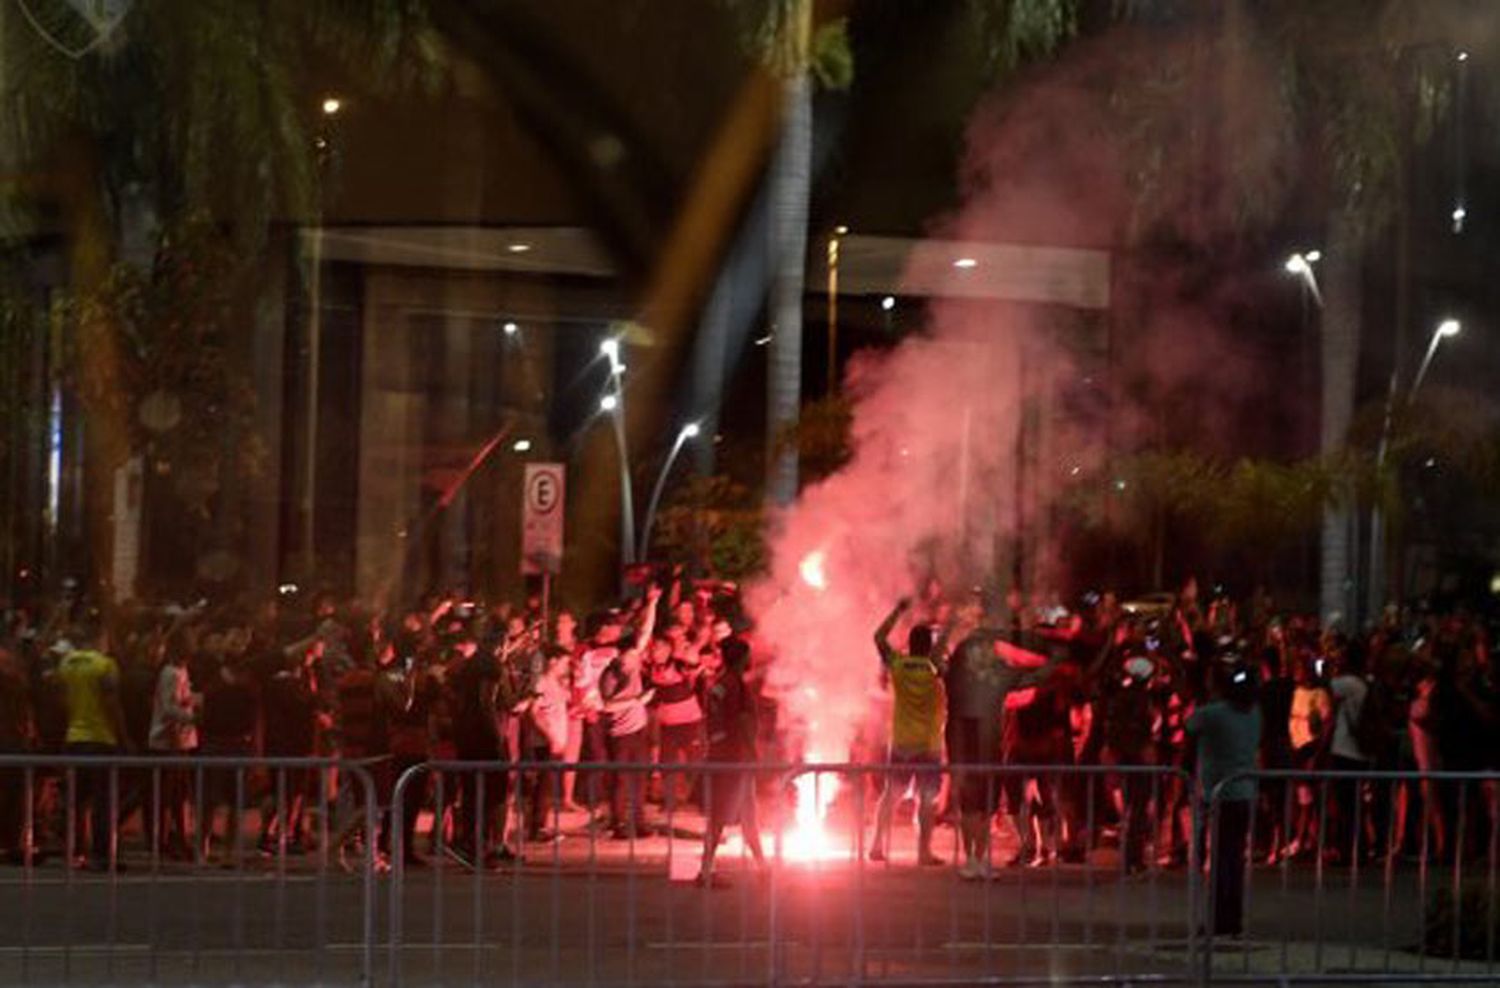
<point>476,687</point>
<point>1227,736</point>
<point>729,710</point>
<point>16,738</point>
<point>231,709</point>
<point>290,703</point>
<point>982,672</point>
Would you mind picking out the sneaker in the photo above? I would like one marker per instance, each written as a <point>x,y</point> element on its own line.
<point>969,870</point>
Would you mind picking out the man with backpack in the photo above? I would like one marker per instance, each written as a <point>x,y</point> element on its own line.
<point>1346,754</point>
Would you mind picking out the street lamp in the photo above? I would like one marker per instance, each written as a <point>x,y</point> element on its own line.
<point>689,431</point>
<point>613,403</point>
<point>1445,329</point>
<point>1301,264</point>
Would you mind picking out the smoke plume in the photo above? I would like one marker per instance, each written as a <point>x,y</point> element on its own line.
<point>937,485</point>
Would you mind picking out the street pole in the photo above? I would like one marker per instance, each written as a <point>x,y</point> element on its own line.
<point>1445,329</point>
<point>833,309</point>
<point>688,432</point>
<point>614,404</point>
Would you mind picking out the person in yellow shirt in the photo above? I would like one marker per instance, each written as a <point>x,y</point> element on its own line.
<point>916,750</point>
<point>89,681</point>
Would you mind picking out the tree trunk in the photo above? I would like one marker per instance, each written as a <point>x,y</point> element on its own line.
<point>791,183</point>
<point>1342,317</point>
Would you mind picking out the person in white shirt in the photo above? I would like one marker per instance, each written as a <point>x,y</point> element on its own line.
<point>174,732</point>
<point>1350,691</point>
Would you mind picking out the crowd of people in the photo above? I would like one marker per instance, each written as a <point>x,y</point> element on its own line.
<point>1286,725</point>
<point>449,680</point>
<point>670,678</point>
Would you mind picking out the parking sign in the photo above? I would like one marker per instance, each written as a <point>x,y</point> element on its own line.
<point>542,518</point>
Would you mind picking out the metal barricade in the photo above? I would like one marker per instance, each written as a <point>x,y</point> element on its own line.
<point>1351,876</point>
<point>600,897</point>
<point>100,895</point>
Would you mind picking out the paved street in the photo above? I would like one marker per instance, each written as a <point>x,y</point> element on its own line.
<point>582,911</point>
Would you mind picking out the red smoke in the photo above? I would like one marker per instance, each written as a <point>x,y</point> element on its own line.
<point>932,485</point>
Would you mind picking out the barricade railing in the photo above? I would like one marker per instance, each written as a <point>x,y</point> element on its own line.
<point>585,893</point>
<point>139,870</point>
<point>1382,877</point>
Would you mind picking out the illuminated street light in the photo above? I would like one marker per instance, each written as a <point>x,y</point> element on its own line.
<point>518,248</point>
<point>1446,329</point>
<point>522,446</point>
<point>965,263</point>
<point>1300,265</point>
<point>614,403</point>
<point>689,431</point>
<point>332,105</point>
<point>511,329</point>
<point>1463,56</point>
<point>888,303</point>
<point>1459,214</point>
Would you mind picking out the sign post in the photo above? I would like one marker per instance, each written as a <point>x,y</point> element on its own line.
<point>542,514</point>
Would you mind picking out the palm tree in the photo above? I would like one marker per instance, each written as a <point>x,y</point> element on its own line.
<point>799,51</point>
<point>186,109</point>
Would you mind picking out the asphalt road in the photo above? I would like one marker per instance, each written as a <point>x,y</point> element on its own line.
<point>592,911</point>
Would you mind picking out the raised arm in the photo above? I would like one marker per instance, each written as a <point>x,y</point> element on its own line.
<point>883,633</point>
<point>648,621</point>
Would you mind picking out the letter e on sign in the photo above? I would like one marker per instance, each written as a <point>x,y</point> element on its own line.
<point>542,511</point>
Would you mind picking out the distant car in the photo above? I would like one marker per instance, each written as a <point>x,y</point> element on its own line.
<point>1151,605</point>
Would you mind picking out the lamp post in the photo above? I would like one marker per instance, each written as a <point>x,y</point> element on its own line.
<point>1446,329</point>
<point>833,307</point>
<point>689,431</point>
<point>613,403</point>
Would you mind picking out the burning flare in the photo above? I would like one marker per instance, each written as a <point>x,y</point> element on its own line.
<point>811,569</point>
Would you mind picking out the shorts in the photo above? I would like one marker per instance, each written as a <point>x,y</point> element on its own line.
<point>975,741</point>
<point>924,767</point>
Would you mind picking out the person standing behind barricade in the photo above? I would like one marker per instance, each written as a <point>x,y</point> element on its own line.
<point>982,672</point>
<point>623,689</point>
<point>565,637</point>
<point>1309,726</point>
<point>17,737</point>
<point>175,710</point>
<point>1350,692</point>
<point>916,748</point>
<point>544,735</point>
<point>364,702</point>
<point>410,729</point>
<point>730,719</point>
<point>1226,734</point>
<point>591,659</point>
<point>675,669</point>
<point>479,690</point>
<point>231,705</point>
<point>1126,713</point>
<point>290,711</point>
<point>90,682</point>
